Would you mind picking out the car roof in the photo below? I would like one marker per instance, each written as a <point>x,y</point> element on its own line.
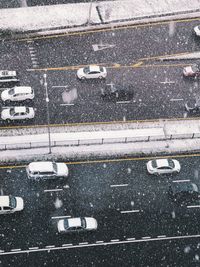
<point>5,73</point>
<point>94,68</point>
<point>45,166</point>
<point>162,162</point>
<point>22,89</point>
<point>20,109</point>
<point>4,201</point>
<point>74,222</point>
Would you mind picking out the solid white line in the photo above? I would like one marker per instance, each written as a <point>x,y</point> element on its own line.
<point>34,248</point>
<point>146,237</point>
<point>114,240</point>
<point>118,185</point>
<point>65,245</point>
<point>160,236</point>
<point>123,102</point>
<point>16,249</point>
<point>131,238</point>
<point>53,246</point>
<point>99,242</point>
<point>180,181</point>
<point>176,99</point>
<point>52,190</point>
<point>129,211</point>
<point>194,206</point>
<point>60,217</point>
<point>83,243</point>
<point>67,104</point>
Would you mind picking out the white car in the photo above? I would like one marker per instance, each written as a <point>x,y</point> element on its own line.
<point>10,204</point>
<point>163,166</point>
<point>197,30</point>
<point>92,72</point>
<point>46,170</point>
<point>18,93</point>
<point>7,76</point>
<point>76,224</point>
<point>17,113</point>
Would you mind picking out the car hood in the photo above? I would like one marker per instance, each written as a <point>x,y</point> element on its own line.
<point>20,203</point>
<point>80,72</point>
<point>62,169</point>
<point>91,223</point>
<point>5,95</point>
<point>61,226</point>
<point>188,69</point>
<point>5,113</point>
<point>177,164</point>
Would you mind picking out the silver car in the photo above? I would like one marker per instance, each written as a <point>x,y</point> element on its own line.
<point>163,166</point>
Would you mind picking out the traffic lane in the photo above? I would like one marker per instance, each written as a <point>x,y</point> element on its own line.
<point>123,46</point>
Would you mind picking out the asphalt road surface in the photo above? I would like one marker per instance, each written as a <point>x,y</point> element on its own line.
<point>128,203</point>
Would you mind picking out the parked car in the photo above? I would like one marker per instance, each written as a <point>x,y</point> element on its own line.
<point>76,224</point>
<point>193,106</point>
<point>163,166</point>
<point>92,72</point>
<point>192,70</point>
<point>46,170</point>
<point>112,92</point>
<point>197,30</point>
<point>8,76</point>
<point>183,191</point>
<point>10,204</point>
<point>18,93</point>
<point>17,113</point>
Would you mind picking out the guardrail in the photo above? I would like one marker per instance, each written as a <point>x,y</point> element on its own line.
<point>97,141</point>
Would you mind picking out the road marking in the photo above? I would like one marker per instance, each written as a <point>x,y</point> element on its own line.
<point>52,246</point>
<point>16,249</point>
<point>101,46</point>
<point>65,245</point>
<point>193,206</point>
<point>160,236</point>
<point>168,82</point>
<point>114,240</point>
<point>83,243</point>
<point>101,244</point>
<point>60,217</point>
<point>146,237</point>
<point>123,102</point>
<point>180,181</point>
<point>176,99</point>
<point>129,211</point>
<point>59,86</point>
<point>53,190</point>
<point>131,238</point>
<point>67,104</point>
<point>137,64</point>
<point>118,185</point>
<point>34,248</point>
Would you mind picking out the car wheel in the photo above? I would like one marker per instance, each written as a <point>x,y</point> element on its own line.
<point>100,77</point>
<point>82,78</point>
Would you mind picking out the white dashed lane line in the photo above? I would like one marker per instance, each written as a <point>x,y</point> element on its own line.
<point>60,217</point>
<point>129,211</point>
<point>66,245</point>
<point>53,190</point>
<point>146,237</point>
<point>180,181</point>
<point>34,248</point>
<point>193,206</point>
<point>118,185</point>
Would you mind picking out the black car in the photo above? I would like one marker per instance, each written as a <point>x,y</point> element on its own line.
<point>115,93</point>
<point>183,191</point>
<point>193,106</point>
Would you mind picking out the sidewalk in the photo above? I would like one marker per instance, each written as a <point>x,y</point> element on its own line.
<point>144,138</point>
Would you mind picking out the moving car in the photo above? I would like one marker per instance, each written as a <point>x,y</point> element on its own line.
<point>8,76</point>
<point>163,166</point>
<point>197,30</point>
<point>17,113</point>
<point>76,224</point>
<point>46,170</point>
<point>185,190</point>
<point>113,92</point>
<point>193,106</point>
<point>10,204</point>
<point>17,93</point>
<point>192,70</point>
<point>92,72</point>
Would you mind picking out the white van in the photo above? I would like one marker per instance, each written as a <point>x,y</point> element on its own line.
<point>46,170</point>
<point>10,204</point>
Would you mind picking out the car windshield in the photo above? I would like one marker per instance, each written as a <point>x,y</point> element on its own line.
<point>101,69</point>
<point>171,163</point>
<point>86,70</point>
<point>83,222</point>
<point>66,224</point>
<point>12,202</point>
<point>11,91</point>
<point>12,111</point>
<point>154,164</point>
<point>195,188</point>
<point>55,167</point>
<point>195,68</point>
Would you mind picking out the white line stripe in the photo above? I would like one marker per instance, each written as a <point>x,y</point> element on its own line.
<point>194,206</point>
<point>180,181</point>
<point>52,190</point>
<point>123,102</point>
<point>16,249</point>
<point>59,86</point>
<point>1,251</point>
<point>99,242</point>
<point>146,237</point>
<point>159,236</point>
<point>71,104</point>
<point>131,238</point>
<point>129,211</point>
<point>176,99</point>
<point>34,248</point>
<point>83,243</point>
<point>114,240</point>
<point>103,244</point>
<point>53,246</point>
<point>59,217</point>
<point>65,245</point>
<point>118,185</point>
